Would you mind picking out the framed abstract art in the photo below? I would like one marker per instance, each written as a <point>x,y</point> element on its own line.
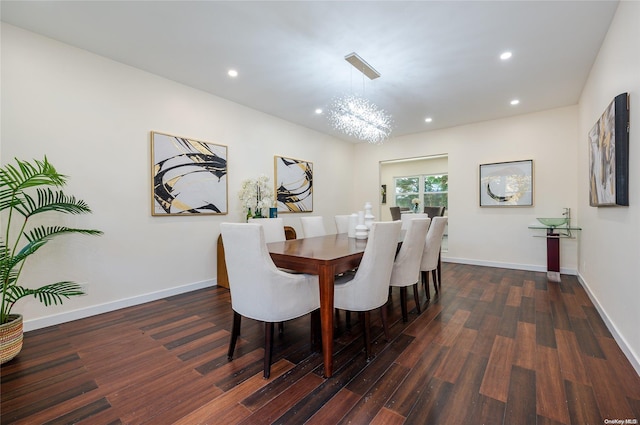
<point>609,155</point>
<point>506,184</point>
<point>188,176</point>
<point>293,184</point>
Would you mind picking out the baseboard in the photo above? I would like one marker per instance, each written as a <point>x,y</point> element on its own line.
<point>68,316</point>
<point>634,359</point>
<point>515,266</point>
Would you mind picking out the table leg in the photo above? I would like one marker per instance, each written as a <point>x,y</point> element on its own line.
<point>326,280</point>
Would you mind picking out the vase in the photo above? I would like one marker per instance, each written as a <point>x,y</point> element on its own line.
<point>361,230</point>
<point>353,222</point>
<point>368,215</point>
<point>10,338</point>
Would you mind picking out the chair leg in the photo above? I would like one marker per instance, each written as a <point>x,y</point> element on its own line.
<point>347,314</point>
<point>403,303</point>
<point>416,298</point>
<point>316,331</point>
<point>268,348</point>
<point>440,270</point>
<point>235,331</point>
<point>385,322</point>
<point>425,283</point>
<point>365,319</point>
<point>434,274</point>
<point>280,329</point>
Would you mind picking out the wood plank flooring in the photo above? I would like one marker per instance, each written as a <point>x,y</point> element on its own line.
<point>496,346</point>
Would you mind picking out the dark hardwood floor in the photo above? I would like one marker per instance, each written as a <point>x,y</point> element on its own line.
<point>495,347</point>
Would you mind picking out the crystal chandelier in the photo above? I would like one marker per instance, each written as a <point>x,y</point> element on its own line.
<point>355,115</point>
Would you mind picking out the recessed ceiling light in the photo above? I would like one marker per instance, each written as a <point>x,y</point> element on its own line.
<point>318,111</point>
<point>428,119</point>
<point>515,102</point>
<point>232,73</point>
<point>505,55</point>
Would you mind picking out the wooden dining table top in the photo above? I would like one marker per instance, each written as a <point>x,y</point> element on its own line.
<point>335,249</point>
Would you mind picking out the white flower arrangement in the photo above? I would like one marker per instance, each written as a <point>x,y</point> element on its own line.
<point>416,204</point>
<point>256,194</point>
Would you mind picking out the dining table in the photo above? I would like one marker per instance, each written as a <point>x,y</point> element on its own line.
<point>324,256</point>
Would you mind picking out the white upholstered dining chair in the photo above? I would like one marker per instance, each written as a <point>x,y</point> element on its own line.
<point>407,217</point>
<point>368,289</point>
<point>406,267</point>
<point>313,226</point>
<point>342,223</point>
<point>431,253</point>
<point>259,290</point>
<point>273,228</point>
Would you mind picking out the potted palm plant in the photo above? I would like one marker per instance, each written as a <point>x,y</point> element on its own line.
<point>26,191</point>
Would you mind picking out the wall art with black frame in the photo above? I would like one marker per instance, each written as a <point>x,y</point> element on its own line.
<point>609,155</point>
<point>506,184</point>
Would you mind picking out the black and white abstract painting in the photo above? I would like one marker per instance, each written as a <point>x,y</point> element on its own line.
<point>188,176</point>
<point>506,184</point>
<point>294,185</point>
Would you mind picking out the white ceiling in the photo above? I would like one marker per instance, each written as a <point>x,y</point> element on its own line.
<point>437,58</point>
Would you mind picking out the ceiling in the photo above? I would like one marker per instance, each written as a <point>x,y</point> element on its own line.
<point>437,59</point>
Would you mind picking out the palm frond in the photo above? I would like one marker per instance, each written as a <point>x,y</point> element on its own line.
<point>44,234</point>
<point>27,174</point>
<point>48,200</point>
<point>7,198</point>
<point>48,294</point>
<point>15,179</point>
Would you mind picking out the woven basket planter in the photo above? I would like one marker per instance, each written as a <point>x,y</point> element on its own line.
<point>10,338</point>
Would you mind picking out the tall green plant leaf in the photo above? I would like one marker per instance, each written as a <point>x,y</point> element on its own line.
<point>44,234</point>
<point>48,200</point>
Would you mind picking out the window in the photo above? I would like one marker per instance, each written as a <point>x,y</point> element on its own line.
<point>432,190</point>
<point>436,190</point>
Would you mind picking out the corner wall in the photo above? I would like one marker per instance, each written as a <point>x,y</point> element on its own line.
<point>610,240</point>
<point>92,117</point>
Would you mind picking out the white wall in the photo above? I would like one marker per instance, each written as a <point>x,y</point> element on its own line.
<point>610,241</point>
<point>92,117</point>
<point>494,236</point>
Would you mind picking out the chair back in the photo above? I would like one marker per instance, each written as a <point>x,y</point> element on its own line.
<point>313,226</point>
<point>273,228</point>
<point>290,233</point>
<point>369,288</point>
<point>435,211</point>
<point>258,289</point>
<point>433,244</point>
<point>342,223</point>
<point>395,213</point>
<point>406,267</point>
<point>408,217</point>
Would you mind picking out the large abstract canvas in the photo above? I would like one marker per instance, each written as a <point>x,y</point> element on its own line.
<point>294,185</point>
<point>609,155</point>
<point>188,176</point>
